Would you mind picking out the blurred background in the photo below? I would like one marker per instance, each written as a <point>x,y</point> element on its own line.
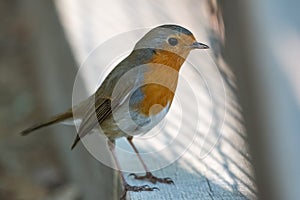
<point>255,46</point>
<point>30,168</point>
<point>26,172</point>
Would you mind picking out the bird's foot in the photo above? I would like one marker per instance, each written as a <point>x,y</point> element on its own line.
<point>153,179</point>
<point>128,187</point>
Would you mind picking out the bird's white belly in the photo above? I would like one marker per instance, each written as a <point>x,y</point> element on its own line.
<point>124,122</point>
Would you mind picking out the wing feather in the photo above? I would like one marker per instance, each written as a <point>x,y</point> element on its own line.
<point>95,115</point>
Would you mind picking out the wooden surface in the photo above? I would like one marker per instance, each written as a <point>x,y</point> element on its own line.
<point>215,163</point>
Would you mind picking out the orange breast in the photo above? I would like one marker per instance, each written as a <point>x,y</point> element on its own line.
<point>160,82</point>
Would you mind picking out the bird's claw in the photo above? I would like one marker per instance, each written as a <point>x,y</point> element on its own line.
<point>153,179</point>
<point>140,188</point>
<point>128,187</point>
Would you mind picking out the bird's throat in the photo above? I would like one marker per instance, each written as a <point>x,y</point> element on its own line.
<point>160,82</point>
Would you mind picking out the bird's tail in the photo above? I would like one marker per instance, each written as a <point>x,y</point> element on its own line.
<point>58,118</point>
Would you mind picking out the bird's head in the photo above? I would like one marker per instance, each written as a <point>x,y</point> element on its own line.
<point>172,38</point>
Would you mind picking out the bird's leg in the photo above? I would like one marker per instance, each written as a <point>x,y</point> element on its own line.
<point>148,176</point>
<point>126,186</point>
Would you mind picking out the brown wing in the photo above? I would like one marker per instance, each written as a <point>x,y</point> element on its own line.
<point>95,114</point>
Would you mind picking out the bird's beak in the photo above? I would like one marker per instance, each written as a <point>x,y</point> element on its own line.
<point>198,45</point>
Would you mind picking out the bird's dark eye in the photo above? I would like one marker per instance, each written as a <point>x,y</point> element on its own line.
<point>173,41</point>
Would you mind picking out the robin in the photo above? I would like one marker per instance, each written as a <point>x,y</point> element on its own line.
<point>125,107</point>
